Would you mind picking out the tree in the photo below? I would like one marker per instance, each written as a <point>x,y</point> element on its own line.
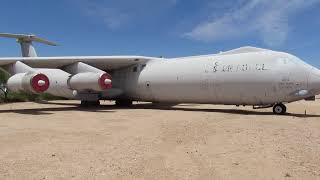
<point>3,88</point>
<point>3,79</point>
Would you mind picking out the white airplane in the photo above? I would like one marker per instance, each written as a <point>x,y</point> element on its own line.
<point>244,76</point>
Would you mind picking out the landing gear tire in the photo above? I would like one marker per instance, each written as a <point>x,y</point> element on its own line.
<point>279,109</point>
<point>84,104</point>
<point>123,103</point>
<point>96,103</point>
<point>90,103</point>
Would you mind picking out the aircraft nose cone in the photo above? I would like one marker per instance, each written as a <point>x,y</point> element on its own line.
<point>314,80</point>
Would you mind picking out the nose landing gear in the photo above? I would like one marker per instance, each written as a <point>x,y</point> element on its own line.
<point>279,109</point>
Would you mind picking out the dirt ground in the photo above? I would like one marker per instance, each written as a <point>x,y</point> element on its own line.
<point>59,140</point>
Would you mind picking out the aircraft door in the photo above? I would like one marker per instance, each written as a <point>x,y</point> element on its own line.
<point>208,84</point>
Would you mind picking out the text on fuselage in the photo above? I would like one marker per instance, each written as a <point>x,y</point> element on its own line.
<point>218,67</point>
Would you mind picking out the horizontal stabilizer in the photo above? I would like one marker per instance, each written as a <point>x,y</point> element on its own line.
<point>25,41</point>
<point>27,38</point>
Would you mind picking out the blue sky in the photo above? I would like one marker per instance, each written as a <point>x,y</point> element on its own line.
<point>168,28</point>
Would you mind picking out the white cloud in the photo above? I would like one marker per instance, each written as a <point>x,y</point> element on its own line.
<point>113,18</point>
<point>269,19</point>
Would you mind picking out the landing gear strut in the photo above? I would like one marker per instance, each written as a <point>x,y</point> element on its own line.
<point>90,103</point>
<point>279,109</point>
<point>123,103</point>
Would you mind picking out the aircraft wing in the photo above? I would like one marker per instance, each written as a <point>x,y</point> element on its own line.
<point>101,62</point>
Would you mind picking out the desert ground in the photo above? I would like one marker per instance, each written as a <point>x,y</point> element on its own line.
<point>59,140</point>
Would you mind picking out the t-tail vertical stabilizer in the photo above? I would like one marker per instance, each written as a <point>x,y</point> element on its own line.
<point>27,48</point>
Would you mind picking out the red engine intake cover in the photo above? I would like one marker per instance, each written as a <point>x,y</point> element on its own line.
<point>35,83</point>
<point>102,83</point>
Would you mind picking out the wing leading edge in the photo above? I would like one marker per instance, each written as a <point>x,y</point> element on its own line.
<point>101,62</point>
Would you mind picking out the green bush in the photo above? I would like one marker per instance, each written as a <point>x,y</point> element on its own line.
<point>21,97</point>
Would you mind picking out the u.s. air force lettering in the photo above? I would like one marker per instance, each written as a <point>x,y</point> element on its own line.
<point>220,67</point>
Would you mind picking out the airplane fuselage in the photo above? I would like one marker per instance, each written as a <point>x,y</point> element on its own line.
<point>255,78</point>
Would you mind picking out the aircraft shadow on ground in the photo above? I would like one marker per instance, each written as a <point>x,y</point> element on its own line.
<point>113,108</point>
<point>49,110</point>
<point>226,111</point>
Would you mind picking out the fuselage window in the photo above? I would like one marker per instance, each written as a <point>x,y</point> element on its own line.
<point>143,66</point>
<point>135,69</point>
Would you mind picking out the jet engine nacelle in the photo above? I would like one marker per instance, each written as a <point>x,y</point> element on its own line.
<point>90,81</point>
<point>29,82</point>
<point>58,82</point>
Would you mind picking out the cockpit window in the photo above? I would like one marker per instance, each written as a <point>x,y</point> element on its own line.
<point>299,62</point>
<point>284,60</point>
<point>143,66</point>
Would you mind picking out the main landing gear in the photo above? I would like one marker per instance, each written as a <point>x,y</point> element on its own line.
<point>279,109</point>
<point>90,103</point>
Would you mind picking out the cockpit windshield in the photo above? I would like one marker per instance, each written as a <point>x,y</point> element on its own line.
<point>299,62</point>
